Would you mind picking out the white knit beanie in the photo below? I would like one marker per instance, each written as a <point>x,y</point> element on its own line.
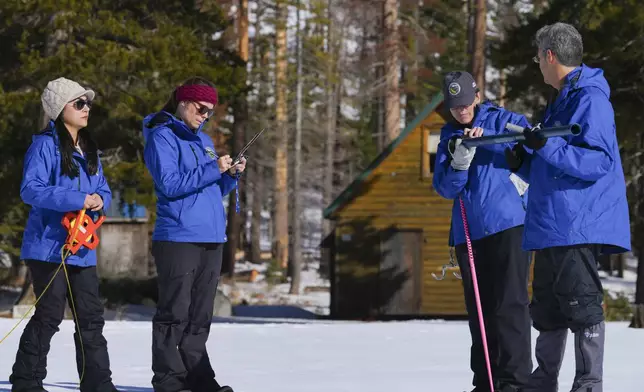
<point>59,92</point>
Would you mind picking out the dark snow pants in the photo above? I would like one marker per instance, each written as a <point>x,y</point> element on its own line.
<point>188,274</point>
<point>567,294</point>
<point>503,270</point>
<point>30,368</point>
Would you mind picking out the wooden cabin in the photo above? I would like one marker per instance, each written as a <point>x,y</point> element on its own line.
<point>391,231</point>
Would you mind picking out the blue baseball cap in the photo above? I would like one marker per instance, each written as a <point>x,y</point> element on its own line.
<point>459,89</point>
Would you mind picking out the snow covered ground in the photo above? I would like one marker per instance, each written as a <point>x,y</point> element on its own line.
<point>417,356</point>
<point>314,291</point>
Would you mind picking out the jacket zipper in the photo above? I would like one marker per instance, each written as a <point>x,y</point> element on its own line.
<point>197,161</point>
<point>79,184</point>
<point>195,154</point>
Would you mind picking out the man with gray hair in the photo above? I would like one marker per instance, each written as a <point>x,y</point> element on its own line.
<point>577,210</point>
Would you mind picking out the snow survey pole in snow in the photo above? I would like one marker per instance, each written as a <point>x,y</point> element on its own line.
<point>477,296</point>
<point>518,134</point>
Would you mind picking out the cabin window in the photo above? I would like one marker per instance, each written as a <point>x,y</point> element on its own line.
<point>428,153</point>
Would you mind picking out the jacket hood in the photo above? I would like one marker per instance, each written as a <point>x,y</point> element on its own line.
<point>49,131</point>
<point>156,121</point>
<point>584,76</point>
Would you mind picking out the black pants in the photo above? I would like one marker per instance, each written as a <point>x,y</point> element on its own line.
<point>567,292</point>
<point>188,275</point>
<point>30,368</point>
<point>502,269</point>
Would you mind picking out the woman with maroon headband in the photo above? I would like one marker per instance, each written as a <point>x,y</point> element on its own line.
<point>190,181</point>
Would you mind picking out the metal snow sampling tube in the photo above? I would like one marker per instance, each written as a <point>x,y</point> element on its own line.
<point>517,136</point>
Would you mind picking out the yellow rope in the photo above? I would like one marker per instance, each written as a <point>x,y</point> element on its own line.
<point>64,253</point>
<point>34,305</point>
<point>73,307</point>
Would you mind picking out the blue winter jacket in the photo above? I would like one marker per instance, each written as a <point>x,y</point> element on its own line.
<point>187,181</point>
<point>578,192</point>
<point>51,195</point>
<point>492,202</point>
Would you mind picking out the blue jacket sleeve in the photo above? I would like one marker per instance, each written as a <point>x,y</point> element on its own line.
<point>448,182</point>
<point>227,183</point>
<point>103,189</point>
<point>35,188</point>
<point>499,129</point>
<point>590,157</point>
<point>161,158</point>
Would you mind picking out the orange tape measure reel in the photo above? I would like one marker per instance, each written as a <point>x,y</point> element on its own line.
<point>82,230</point>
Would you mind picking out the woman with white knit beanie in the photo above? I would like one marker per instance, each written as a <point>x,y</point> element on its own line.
<point>62,173</point>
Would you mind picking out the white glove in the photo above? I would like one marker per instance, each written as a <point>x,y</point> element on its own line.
<point>462,156</point>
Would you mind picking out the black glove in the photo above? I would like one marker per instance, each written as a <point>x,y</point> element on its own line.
<point>533,140</point>
<point>515,157</point>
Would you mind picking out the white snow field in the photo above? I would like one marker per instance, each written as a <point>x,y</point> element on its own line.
<point>414,356</point>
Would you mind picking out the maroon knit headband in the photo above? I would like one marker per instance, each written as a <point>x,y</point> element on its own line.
<point>197,92</point>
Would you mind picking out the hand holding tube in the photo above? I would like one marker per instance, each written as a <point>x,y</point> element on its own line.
<point>515,156</point>
<point>533,139</point>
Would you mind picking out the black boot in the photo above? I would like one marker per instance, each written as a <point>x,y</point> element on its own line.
<point>30,367</point>
<point>225,388</point>
<point>32,389</point>
<point>509,388</point>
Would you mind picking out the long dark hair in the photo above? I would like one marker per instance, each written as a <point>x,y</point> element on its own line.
<point>68,166</point>
<point>172,104</point>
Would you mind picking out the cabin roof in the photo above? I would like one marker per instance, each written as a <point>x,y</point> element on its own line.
<point>349,192</point>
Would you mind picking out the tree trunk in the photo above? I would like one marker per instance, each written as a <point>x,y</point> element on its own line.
<point>412,73</point>
<point>380,111</point>
<point>296,257</point>
<point>379,105</point>
<point>256,217</point>
<point>240,113</point>
<point>638,316</point>
<point>330,116</point>
<point>258,173</point>
<point>637,188</point>
<point>392,93</point>
<point>621,262</point>
<point>502,88</point>
<point>281,154</point>
<point>242,29</point>
<point>638,309</point>
<point>477,59</point>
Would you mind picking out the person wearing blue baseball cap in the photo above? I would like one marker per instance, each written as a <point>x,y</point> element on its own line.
<point>494,199</point>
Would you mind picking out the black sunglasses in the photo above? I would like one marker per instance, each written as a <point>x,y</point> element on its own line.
<point>201,109</point>
<point>81,103</point>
